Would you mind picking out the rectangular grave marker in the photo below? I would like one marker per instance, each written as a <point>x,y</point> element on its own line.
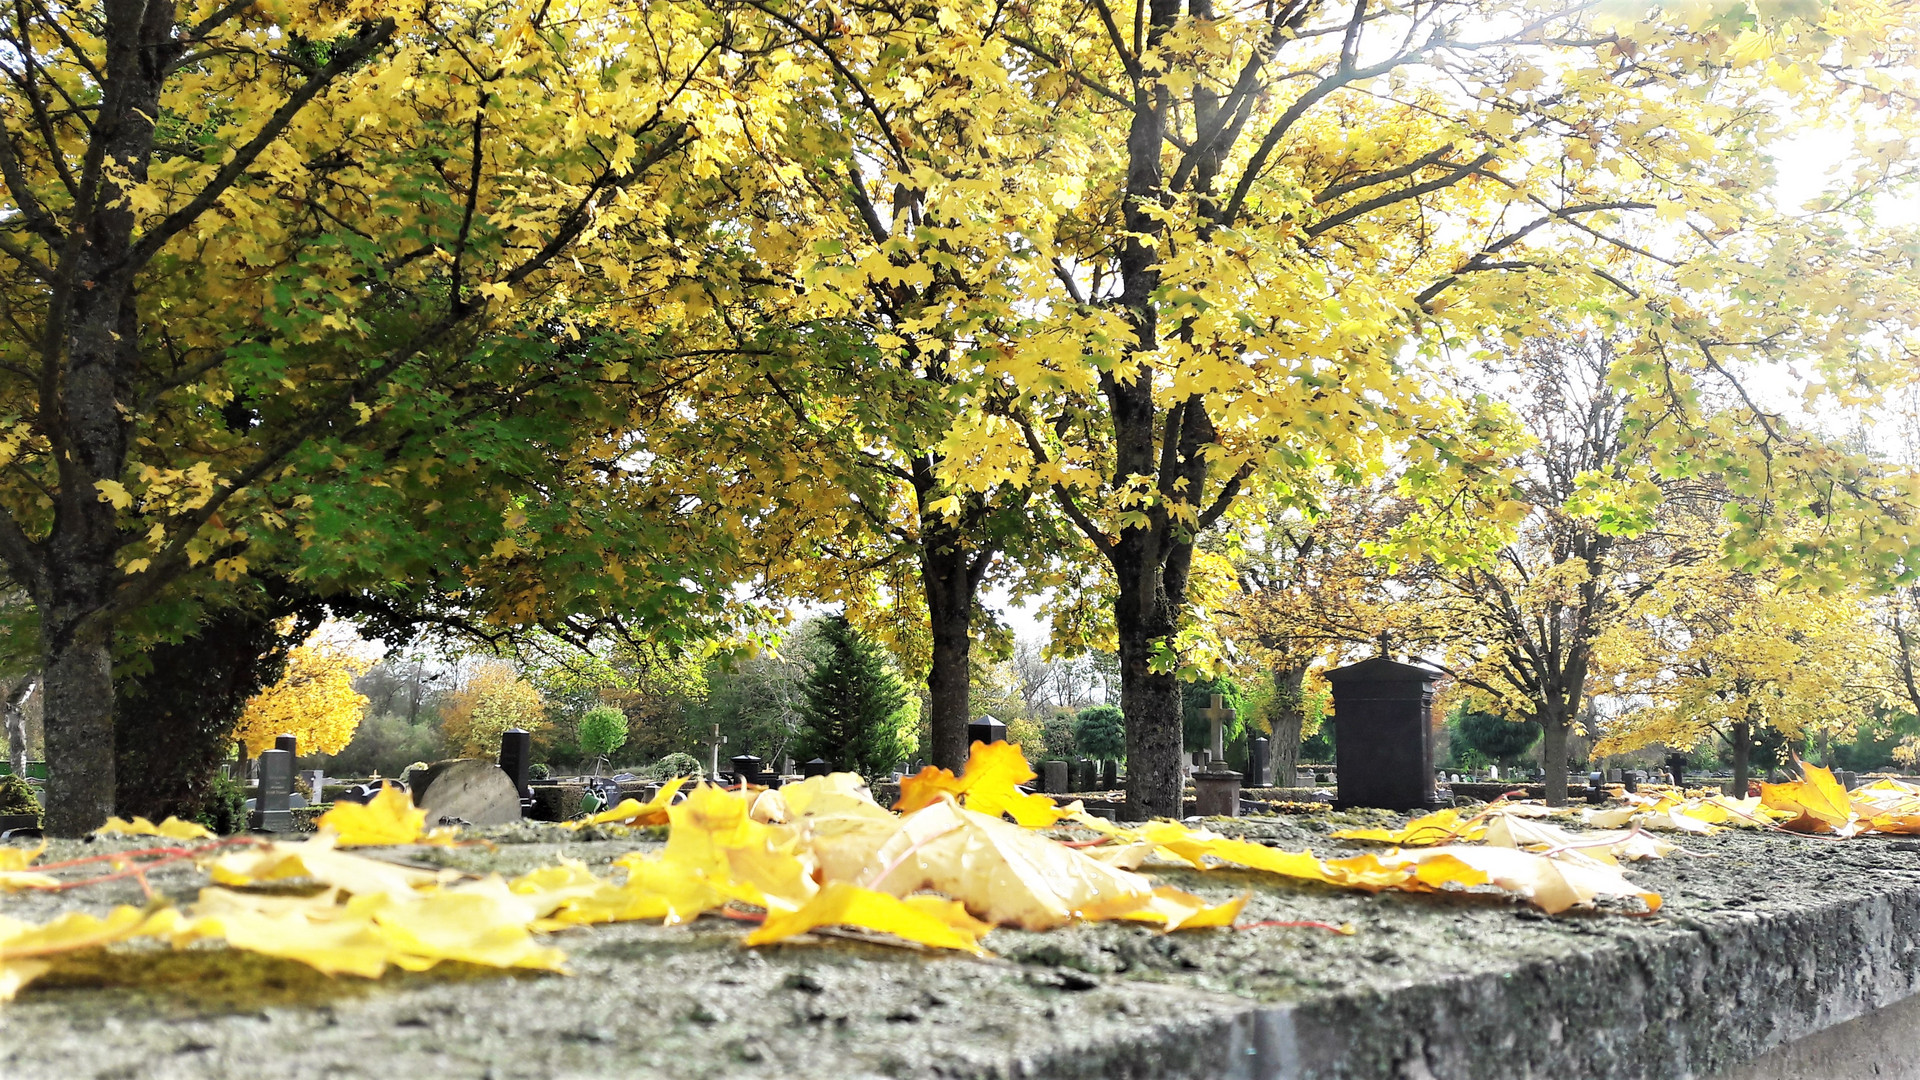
<point>272,809</point>
<point>516,758</point>
<point>1383,734</point>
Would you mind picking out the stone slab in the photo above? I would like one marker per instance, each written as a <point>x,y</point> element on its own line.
<point>472,790</point>
<point>1764,940</point>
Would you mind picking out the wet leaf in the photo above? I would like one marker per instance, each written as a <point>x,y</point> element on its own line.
<point>388,818</point>
<point>172,828</point>
<point>1002,873</point>
<point>1439,827</point>
<point>27,951</point>
<point>840,903</point>
<point>988,785</point>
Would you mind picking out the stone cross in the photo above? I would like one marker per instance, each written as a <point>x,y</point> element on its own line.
<point>719,741</point>
<point>1217,716</point>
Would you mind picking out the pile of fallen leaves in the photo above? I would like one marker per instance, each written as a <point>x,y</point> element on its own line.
<point>958,856</point>
<point>1819,804</point>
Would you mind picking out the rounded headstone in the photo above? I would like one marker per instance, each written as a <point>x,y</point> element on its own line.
<point>472,790</point>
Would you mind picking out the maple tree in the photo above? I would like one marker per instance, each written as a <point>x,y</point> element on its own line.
<point>313,700</point>
<point>272,275</point>
<point>1309,584</point>
<point>1264,215</point>
<point>489,702</point>
<point>1724,650</point>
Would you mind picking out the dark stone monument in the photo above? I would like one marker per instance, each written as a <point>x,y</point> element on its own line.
<point>1109,776</point>
<point>272,806</point>
<point>1383,734</point>
<point>1677,767</point>
<point>289,743</point>
<point>1053,777</point>
<point>1259,763</point>
<point>1630,781</point>
<point>816,767</point>
<point>516,757</point>
<point>986,730</point>
<point>746,769</point>
<point>1085,775</point>
<point>1596,791</point>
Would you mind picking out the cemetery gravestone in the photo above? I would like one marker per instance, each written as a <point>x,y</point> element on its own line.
<point>1053,777</point>
<point>1109,775</point>
<point>986,730</point>
<point>1383,734</point>
<point>816,767</point>
<point>1677,767</point>
<point>1084,772</point>
<point>472,790</point>
<point>719,741</point>
<point>746,769</point>
<point>516,758</point>
<point>272,806</point>
<point>1216,788</point>
<point>1259,761</point>
<point>289,743</point>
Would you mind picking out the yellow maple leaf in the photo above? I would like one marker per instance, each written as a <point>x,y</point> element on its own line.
<point>715,838</point>
<point>480,923</point>
<point>1819,800</point>
<point>1439,827</point>
<point>317,860</point>
<point>173,828</point>
<point>1542,838</point>
<point>27,950</point>
<point>14,873</point>
<point>988,785</point>
<point>388,818</point>
<point>1176,909</point>
<point>1553,885</point>
<point>842,904</point>
<point>1002,873</point>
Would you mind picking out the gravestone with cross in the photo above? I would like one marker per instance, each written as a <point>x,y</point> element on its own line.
<point>1216,788</point>
<point>1216,715</point>
<point>717,742</point>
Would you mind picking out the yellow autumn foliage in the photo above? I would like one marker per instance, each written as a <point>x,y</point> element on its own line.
<point>491,701</point>
<point>314,701</point>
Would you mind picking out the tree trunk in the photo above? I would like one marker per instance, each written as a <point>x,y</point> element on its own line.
<point>1742,757</point>
<point>79,712</point>
<point>1151,702</point>
<point>1553,757</point>
<point>16,722</point>
<point>1289,716</point>
<point>949,590</point>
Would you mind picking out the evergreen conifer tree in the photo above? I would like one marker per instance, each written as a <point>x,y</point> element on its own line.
<point>853,710</point>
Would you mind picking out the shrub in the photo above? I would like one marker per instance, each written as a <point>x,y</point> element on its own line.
<point>1101,733</point>
<point>225,809</point>
<point>677,765</point>
<point>603,729</point>
<point>16,796</point>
